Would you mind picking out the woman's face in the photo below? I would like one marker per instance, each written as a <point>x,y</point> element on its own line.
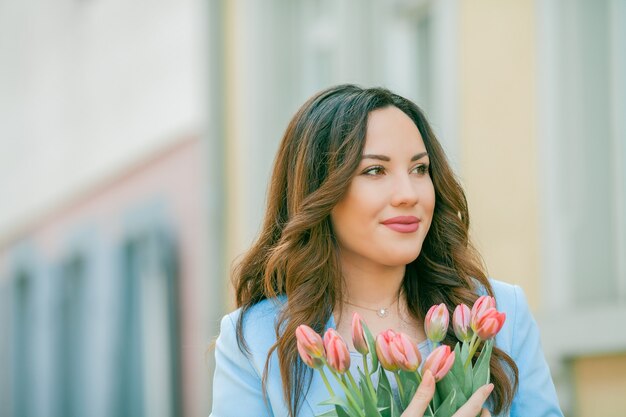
<point>388,208</point>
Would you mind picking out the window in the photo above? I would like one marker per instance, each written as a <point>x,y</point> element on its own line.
<point>149,365</point>
<point>71,336</point>
<point>420,60</point>
<point>409,47</point>
<point>6,338</point>
<point>582,101</point>
<point>23,374</point>
<point>584,76</point>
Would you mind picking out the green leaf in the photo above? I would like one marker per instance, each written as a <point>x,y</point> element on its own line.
<point>369,403</point>
<point>408,377</point>
<point>383,391</point>
<point>463,376</point>
<point>468,382</point>
<point>365,382</point>
<point>436,401</point>
<point>336,401</point>
<point>342,407</point>
<point>481,370</point>
<point>409,386</point>
<point>464,351</point>
<point>457,366</point>
<point>341,412</point>
<point>468,374</point>
<point>371,345</point>
<point>385,396</point>
<point>395,411</point>
<point>447,385</point>
<point>446,409</point>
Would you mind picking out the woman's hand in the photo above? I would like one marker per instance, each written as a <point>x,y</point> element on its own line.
<point>426,390</point>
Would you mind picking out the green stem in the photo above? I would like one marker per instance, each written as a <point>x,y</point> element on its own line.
<point>368,379</point>
<point>328,387</point>
<point>353,382</point>
<point>400,389</point>
<point>419,377</point>
<point>472,350</point>
<point>349,396</point>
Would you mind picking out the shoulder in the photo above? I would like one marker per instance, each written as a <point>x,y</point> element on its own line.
<point>263,313</point>
<point>256,320</point>
<point>258,329</point>
<point>507,295</point>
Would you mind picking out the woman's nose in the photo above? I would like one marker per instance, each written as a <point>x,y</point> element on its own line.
<point>404,191</point>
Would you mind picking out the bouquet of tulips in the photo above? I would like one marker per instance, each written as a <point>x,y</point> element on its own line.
<point>456,376</point>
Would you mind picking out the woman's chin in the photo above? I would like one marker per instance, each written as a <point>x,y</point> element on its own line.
<point>401,259</point>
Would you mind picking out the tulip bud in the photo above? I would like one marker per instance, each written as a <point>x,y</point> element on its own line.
<point>439,362</point>
<point>311,341</point>
<point>383,350</point>
<point>358,336</point>
<point>405,353</point>
<point>337,354</point>
<point>436,322</point>
<point>481,305</point>
<point>461,323</point>
<point>489,324</point>
<point>308,359</point>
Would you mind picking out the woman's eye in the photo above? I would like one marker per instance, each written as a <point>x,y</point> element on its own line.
<point>421,169</point>
<point>377,170</point>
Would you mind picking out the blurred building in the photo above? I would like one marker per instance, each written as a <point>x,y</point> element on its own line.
<point>136,141</point>
<point>109,288</point>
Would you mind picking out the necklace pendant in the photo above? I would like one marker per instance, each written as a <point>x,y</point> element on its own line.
<point>382,313</point>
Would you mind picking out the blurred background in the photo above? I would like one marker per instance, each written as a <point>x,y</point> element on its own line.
<point>136,141</point>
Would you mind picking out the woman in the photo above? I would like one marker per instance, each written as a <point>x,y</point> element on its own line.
<point>364,215</point>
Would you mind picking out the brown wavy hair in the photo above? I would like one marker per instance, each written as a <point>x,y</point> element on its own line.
<point>296,252</point>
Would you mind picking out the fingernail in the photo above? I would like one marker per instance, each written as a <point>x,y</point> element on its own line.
<point>428,379</point>
<point>489,388</point>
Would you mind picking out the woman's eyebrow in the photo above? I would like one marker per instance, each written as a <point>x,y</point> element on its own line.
<point>386,158</point>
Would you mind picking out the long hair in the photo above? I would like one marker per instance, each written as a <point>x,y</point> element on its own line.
<point>296,252</point>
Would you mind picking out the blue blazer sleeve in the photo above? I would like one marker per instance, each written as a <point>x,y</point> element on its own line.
<point>236,382</point>
<point>536,395</point>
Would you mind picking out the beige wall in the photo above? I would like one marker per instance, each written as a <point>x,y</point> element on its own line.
<point>498,138</point>
<point>601,386</point>
<point>499,168</point>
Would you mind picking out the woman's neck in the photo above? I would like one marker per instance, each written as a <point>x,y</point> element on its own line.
<point>367,290</point>
<point>371,285</point>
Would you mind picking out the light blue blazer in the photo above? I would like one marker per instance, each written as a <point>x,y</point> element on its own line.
<point>237,380</point>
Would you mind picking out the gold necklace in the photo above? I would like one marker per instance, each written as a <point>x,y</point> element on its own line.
<point>380,312</point>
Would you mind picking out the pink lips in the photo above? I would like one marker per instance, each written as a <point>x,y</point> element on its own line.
<point>402,224</point>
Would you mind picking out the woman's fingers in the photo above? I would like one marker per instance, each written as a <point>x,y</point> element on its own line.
<point>474,405</point>
<point>426,390</point>
<point>422,397</point>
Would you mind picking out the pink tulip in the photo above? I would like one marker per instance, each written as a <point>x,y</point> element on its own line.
<point>308,359</point>
<point>405,353</point>
<point>481,305</point>
<point>337,354</point>
<point>439,362</point>
<point>461,323</point>
<point>436,322</point>
<point>358,336</point>
<point>311,341</point>
<point>489,323</point>
<point>383,350</point>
